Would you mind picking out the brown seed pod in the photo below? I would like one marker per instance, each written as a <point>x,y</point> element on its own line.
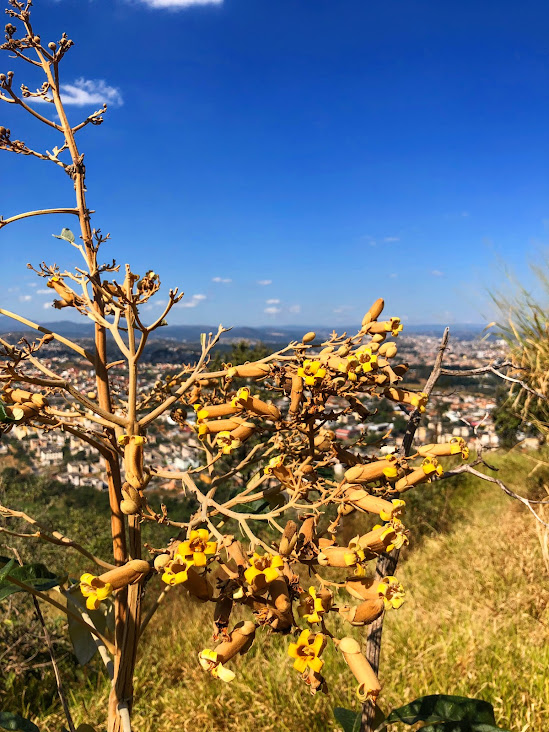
<point>235,551</point>
<point>309,337</point>
<point>197,585</point>
<point>296,394</point>
<point>368,683</point>
<point>289,538</point>
<point>240,639</point>
<point>278,590</point>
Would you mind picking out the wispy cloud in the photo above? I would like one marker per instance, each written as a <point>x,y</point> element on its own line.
<point>25,298</point>
<point>272,310</point>
<point>84,92</point>
<point>192,302</point>
<point>437,273</point>
<point>393,275</point>
<point>47,305</point>
<point>295,308</point>
<point>273,301</point>
<point>178,4</point>
<point>44,292</point>
<point>264,282</point>
<point>221,279</point>
<point>390,239</point>
<point>343,309</point>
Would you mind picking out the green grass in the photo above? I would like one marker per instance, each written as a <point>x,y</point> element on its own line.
<point>476,623</point>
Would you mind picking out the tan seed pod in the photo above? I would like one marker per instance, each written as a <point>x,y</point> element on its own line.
<point>309,337</point>
<point>388,350</point>
<point>365,613</point>
<point>370,471</point>
<point>160,561</point>
<point>243,432</point>
<point>129,507</point>
<point>333,556</point>
<point>24,411</point>
<point>235,551</point>
<point>127,574</point>
<point>374,312</point>
<point>248,371</point>
<point>289,538</point>
<point>368,683</point>
<point>217,425</point>
<point>217,410</point>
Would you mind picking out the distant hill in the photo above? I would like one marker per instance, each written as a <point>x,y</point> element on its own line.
<point>190,334</point>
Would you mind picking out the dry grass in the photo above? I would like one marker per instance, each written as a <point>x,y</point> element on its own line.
<point>476,624</point>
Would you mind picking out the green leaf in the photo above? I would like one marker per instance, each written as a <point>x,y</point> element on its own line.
<point>82,640</point>
<point>460,727</point>
<point>36,575</point>
<point>443,708</point>
<point>6,569</point>
<point>66,235</point>
<point>5,418</point>
<point>349,720</point>
<point>11,721</point>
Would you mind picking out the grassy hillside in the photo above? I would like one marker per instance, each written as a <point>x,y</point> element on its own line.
<point>476,623</point>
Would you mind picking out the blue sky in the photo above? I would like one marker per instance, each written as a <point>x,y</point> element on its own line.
<point>289,162</point>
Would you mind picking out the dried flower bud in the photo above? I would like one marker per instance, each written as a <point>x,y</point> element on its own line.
<point>309,337</point>
<point>368,683</point>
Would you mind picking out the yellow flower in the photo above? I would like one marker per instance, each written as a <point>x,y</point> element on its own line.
<point>431,465</point>
<point>392,470</point>
<point>209,662</point>
<point>94,590</point>
<point>307,651</point>
<point>264,569</point>
<point>366,358</point>
<point>398,508</point>
<point>392,534</point>
<point>419,401</point>
<point>176,572</point>
<point>226,442</point>
<point>194,550</point>
<point>311,372</point>
<point>392,591</point>
<point>395,326</point>
<point>274,462</point>
<point>311,607</point>
<point>242,396</point>
<point>458,445</point>
<point>355,556</point>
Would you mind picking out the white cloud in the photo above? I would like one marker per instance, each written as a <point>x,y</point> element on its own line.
<point>264,282</point>
<point>273,301</point>
<point>437,273</point>
<point>47,305</point>
<point>32,284</point>
<point>193,302</point>
<point>272,310</point>
<point>343,309</point>
<point>25,298</point>
<point>390,239</point>
<point>44,292</point>
<point>393,275</point>
<point>88,91</point>
<point>221,279</point>
<point>176,4</point>
<point>295,308</point>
